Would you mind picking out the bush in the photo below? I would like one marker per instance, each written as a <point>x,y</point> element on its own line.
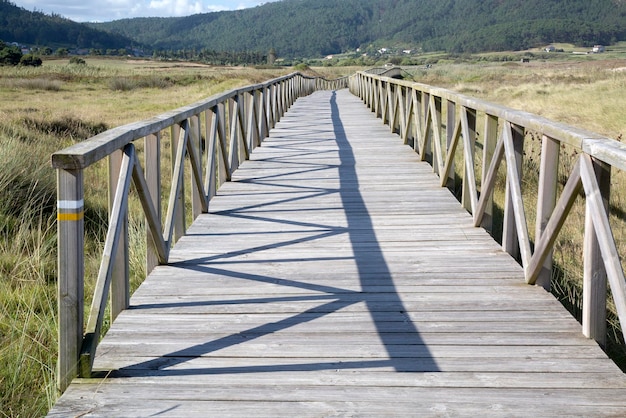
<point>77,61</point>
<point>37,84</point>
<point>9,54</point>
<point>122,84</point>
<point>301,67</point>
<point>30,60</point>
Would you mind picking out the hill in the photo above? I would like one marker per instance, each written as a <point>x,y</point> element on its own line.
<point>35,28</point>
<point>309,28</point>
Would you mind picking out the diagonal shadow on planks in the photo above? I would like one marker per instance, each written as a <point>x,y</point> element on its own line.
<point>366,252</point>
<point>334,276</point>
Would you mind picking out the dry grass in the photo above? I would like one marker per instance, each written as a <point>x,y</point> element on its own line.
<point>586,93</point>
<point>44,110</point>
<point>47,108</point>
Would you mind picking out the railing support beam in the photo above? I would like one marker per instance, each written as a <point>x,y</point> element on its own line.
<point>594,276</point>
<point>71,227</point>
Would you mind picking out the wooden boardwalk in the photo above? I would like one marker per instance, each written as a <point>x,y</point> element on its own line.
<point>334,276</point>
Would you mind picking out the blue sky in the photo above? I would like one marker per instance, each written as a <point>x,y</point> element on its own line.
<point>106,10</point>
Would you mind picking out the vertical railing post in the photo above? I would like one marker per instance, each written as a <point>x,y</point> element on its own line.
<point>377,98</point>
<point>283,99</point>
<point>233,150</point>
<point>490,139</point>
<point>120,286</point>
<point>466,197</point>
<point>546,200</point>
<point>594,276</point>
<point>263,113</point>
<point>510,242</point>
<point>195,139</point>
<point>424,115</point>
<point>71,228</point>
<point>418,119</point>
<point>252,122</point>
<point>152,157</point>
<point>179,219</point>
<point>450,125</point>
<point>271,106</point>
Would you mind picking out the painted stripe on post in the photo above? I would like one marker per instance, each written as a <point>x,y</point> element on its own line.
<point>70,210</point>
<point>70,204</point>
<point>70,216</point>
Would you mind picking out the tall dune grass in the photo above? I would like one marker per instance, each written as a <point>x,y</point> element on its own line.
<point>43,110</point>
<point>586,94</point>
<point>37,118</point>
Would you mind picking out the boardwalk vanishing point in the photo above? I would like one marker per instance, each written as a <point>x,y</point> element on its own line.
<point>333,276</point>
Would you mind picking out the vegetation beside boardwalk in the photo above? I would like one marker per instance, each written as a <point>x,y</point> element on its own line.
<point>43,110</point>
<point>49,107</point>
<point>586,93</point>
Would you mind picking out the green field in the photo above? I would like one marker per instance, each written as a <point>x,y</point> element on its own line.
<point>48,108</point>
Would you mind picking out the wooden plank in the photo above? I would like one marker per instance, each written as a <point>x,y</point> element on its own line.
<point>317,286</point>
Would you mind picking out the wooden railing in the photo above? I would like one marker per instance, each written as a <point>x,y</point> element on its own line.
<point>210,137</point>
<point>420,114</point>
<point>393,72</point>
<point>333,84</point>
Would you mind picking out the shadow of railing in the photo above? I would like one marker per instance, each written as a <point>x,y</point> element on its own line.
<point>366,255</point>
<point>405,350</point>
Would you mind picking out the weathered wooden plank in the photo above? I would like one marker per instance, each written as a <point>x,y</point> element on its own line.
<point>160,407</point>
<point>333,276</point>
<point>363,399</point>
<point>145,366</point>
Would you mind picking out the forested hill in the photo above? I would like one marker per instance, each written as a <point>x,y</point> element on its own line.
<point>313,28</point>
<point>308,28</point>
<point>34,28</point>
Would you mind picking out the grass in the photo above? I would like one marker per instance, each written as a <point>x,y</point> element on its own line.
<point>44,110</point>
<point>586,92</point>
<point>47,108</point>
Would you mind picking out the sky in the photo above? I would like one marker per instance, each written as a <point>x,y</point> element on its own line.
<point>107,10</point>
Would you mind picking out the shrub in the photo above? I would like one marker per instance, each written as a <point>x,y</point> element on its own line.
<point>30,60</point>
<point>301,67</point>
<point>9,54</point>
<point>38,84</point>
<point>77,61</point>
<point>122,84</point>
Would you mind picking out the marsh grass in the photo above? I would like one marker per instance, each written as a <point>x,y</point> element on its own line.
<point>33,84</point>
<point>27,280</point>
<point>587,94</point>
<point>37,119</point>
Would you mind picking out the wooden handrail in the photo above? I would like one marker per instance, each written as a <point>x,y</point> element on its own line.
<point>231,124</point>
<point>415,111</point>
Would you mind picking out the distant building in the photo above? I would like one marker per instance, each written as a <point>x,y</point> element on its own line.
<point>598,48</point>
<point>550,48</point>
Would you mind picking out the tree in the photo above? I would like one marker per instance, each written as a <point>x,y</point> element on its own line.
<point>30,60</point>
<point>9,54</point>
<point>271,57</point>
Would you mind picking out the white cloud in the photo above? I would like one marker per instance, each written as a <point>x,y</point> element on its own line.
<point>175,7</point>
<point>105,10</point>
